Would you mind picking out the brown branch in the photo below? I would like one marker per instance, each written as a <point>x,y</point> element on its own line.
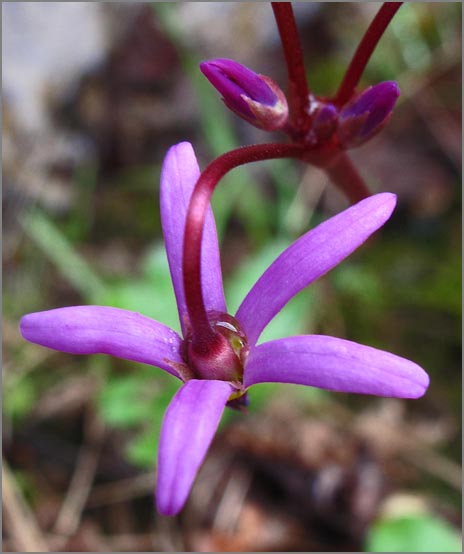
<point>21,523</point>
<point>122,490</point>
<point>70,513</point>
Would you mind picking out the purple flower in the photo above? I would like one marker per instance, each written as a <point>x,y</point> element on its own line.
<point>367,114</point>
<point>313,360</point>
<point>256,98</point>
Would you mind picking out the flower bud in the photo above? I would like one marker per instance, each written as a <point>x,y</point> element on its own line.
<point>367,114</point>
<point>256,98</point>
<point>324,122</point>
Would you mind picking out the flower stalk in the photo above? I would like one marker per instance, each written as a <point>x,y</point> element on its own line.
<point>344,174</point>
<point>202,332</point>
<point>364,51</point>
<point>298,90</point>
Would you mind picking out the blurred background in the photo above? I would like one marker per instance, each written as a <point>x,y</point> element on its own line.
<point>93,95</point>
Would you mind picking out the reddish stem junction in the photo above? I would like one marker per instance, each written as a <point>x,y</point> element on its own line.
<point>205,342</point>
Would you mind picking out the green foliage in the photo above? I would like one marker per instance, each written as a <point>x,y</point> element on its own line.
<point>326,75</point>
<point>58,249</point>
<point>360,281</point>
<point>20,398</point>
<point>137,401</point>
<point>151,294</point>
<point>142,449</point>
<point>126,401</point>
<point>295,318</point>
<point>261,394</point>
<point>414,533</point>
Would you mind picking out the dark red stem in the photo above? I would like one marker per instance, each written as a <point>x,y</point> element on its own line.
<point>364,51</point>
<point>199,202</point>
<point>345,176</point>
<point>298,91</point>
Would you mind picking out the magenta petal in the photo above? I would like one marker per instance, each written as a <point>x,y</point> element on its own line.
<point>188,428</point>
<point>335,364</point>
<point>103,330</point>
<point>307,259</point>
<point>178,177</point>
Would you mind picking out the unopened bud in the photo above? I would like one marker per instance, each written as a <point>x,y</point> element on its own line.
<point>367,114</point>
<point>256,98</point>
<point>324,122</point>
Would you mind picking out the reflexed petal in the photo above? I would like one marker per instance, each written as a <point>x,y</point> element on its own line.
<point>335,364</point>
<point>307,259</point>
<point>188,428</point>
<point>178,177</point>
<point>104,330</point>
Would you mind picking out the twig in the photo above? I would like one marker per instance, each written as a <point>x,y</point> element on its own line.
<point>232,500</point>
<point>22,524</point>
<point>420,455</point>
<point>435,464</point>
<point>124,489</point>
<point>69,516</point>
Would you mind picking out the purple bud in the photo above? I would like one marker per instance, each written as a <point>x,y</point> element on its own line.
<point>256,98</point>
<point>324,122</point>
<point>367,114</point>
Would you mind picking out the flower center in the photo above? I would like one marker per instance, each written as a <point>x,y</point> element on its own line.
<point>222,358</point>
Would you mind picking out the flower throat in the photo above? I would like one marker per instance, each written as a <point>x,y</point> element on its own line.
<point>222,356</point>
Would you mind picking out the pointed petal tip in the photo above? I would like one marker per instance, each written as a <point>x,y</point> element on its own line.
<point>187,431</point>
<point>183,148</point>
<point>420,385</point>
<point>24,325</point>
<point>30,325</point>
<point>390,87</point>
<point>167,508</point>
<point>383,202</point>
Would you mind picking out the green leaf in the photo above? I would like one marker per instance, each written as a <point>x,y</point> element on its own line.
<point>295,318</point>
<point>152,295</point>
<point>20,399</point>
<point>126,401</point>
<point>261,394</point>
<point>142,450</point>
<point>358,281</point>
<point>138,401</point>
<point>415,533</point>
<point>61,252</point>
